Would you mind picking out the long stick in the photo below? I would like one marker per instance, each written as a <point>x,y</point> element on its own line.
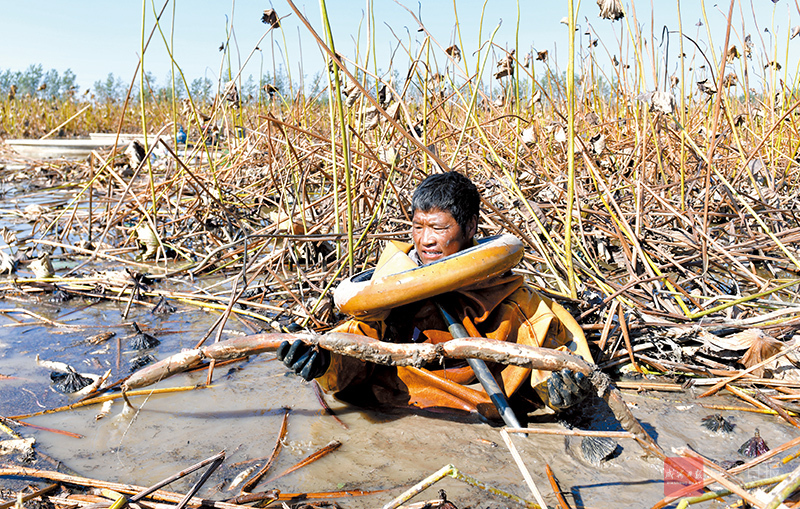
<point>556,488</point>
<point>722,383</point>
<point>251,483</point>
<point>200,482</point>
<point>573,432</point>
<point>67,121</point>
<point>29,496</point>
<point>311,458</point>
<point>215,459</point>
<point>166,496</point>
<point>393,354</point>
<point>522,468</point>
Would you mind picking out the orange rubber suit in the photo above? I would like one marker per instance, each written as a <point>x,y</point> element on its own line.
<point>503,308</point>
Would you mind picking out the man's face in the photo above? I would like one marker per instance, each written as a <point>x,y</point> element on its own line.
<point>436,234</point>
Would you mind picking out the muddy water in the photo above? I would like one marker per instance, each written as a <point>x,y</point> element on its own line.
<point>241,414</point>
<point>242,411</point>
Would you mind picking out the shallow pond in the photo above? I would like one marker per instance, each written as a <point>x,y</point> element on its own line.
<point>241,413</point>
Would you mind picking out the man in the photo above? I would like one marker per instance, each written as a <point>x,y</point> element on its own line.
<point>445,211</point>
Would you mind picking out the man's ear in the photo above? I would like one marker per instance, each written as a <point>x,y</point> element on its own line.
<point>472,227</point>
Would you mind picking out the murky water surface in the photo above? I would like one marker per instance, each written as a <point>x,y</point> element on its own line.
<point>242,412</point>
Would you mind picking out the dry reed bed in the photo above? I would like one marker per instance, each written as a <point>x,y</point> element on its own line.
<point>722,248</point>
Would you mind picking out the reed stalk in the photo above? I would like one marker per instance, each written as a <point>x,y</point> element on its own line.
<point>570,153</point>
<point>345,135</point>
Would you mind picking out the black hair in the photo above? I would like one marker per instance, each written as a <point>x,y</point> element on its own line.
<point>449,192</point>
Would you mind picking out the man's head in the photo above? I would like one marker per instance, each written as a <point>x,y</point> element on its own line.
<point>445,208</point>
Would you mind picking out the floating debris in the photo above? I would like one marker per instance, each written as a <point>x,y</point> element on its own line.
<point>104,410</point>
<point>100,338</point>
<point>163,307</point>
<point>59,296</point>
<point>142,340</point>
<point>716,422</point>
<point>141,361</point>
<point>754,447</point>
<point>22,446</point>
<point>69,382</point>
<point>729,464</point>
<point>244,474</point>
<point>97,383</point>
<point>61,367</point>
<point>41,267</point>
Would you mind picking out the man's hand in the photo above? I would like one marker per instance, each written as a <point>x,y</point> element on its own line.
<point>307,361</point>
<point>566,388</point>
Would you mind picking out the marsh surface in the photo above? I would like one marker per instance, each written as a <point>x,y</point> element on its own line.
<point>241,413</point>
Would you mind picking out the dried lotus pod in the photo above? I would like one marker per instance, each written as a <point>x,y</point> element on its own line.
<point>142,340</point>
<point>163,307</point>
<point>754,447</point>
<point>597,449</point>
<point>270,17</point>
<point>716,422</point>
<point>69,382</point>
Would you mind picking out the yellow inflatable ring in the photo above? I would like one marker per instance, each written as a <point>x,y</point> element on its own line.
<point>360,295</point>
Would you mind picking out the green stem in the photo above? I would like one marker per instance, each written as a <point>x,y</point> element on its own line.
<point>570,153</point>
<point>345,135</point>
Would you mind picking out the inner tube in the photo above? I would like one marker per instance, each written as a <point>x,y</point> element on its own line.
<point>360,295</point>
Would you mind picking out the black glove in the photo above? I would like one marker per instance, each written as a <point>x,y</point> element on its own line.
<point>566,388</point>
<point>307,361</point>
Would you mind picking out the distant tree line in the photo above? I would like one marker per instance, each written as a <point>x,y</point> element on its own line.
<point>37,82</point>
<point>52,85</point>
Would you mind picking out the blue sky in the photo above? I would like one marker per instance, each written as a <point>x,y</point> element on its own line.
<point>94,38</point>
